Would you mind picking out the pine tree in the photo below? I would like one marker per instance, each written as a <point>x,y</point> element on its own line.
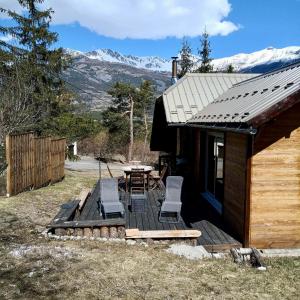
<point>119,117</point>
<point>33,51</point>
<point>204,53</point>
<point>230,68</point>
<point>186,62</point>
<point>144,104</point>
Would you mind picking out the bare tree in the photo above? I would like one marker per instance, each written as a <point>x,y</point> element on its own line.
<point>17,110</point>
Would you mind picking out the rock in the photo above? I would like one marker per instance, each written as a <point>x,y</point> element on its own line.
<point>189,252</point>
<point>131,242</point>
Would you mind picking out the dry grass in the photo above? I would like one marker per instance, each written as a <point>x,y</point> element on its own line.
<point>36,268</point>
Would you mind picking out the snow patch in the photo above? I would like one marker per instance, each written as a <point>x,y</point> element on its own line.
<point>239,61</point>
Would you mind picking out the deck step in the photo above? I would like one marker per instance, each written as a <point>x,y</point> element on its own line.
<point>161,234</point>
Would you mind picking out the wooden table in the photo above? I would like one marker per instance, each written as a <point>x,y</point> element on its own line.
<point>129,169</point>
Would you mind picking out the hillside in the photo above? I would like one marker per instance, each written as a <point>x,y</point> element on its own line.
<point>92,78</point>
<point>93,73</point>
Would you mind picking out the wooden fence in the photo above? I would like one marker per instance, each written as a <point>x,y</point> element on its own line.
<point>33,161</point>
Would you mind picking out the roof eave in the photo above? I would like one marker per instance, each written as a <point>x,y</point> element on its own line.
<point>228,127</point>
<point>275,110</point>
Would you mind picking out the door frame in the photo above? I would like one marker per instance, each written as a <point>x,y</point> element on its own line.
<point>207,195</point>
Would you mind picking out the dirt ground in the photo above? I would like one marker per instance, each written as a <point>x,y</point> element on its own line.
<point>33,267</point>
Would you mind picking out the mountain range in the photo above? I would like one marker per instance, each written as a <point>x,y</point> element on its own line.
<point>93,73</point>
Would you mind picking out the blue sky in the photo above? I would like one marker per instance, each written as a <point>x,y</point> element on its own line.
<point>235,25</point>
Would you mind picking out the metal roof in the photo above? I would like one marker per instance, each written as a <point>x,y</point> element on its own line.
<point>195,91</point>
<point>249,99</point>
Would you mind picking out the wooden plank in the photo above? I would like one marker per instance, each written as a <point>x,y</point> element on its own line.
<point>66,212</point>
<point>275,201</point>
<point>9,184</point>
<point>235,180</point>
<point>136,234</point>
<point>153,196</point>
<point>94,195</point>
<point>152,214</point>
<point>84,194</point>
<point>89,223</point>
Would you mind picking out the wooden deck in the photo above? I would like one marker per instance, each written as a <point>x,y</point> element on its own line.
<point>213,237</point>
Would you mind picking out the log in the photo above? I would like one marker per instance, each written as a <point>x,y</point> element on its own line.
<point>96,232</point>
<point>236,256</point>
<point>89,223</point>
<point>84,194</point>
<point>78,232</point>
<point>104,232</point>
<point>87,232</point>
<point>113,232</point>
<point>121,232</point>
<point>256,259</point>
<point>161,234</point>
<point>60,231</point>
<point>70,231</point>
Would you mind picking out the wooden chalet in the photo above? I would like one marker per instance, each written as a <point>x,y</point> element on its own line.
<point>242,152</point>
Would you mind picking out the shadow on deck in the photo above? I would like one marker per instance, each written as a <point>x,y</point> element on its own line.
<point>195,215</point>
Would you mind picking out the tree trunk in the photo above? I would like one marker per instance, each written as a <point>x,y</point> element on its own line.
<point>146,134</point>
<point>131,129</point>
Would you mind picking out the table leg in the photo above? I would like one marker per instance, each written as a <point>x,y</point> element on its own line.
<point>148,175</point>
<point>126,183</point>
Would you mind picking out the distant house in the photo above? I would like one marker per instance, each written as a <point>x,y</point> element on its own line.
<point>244,152</point>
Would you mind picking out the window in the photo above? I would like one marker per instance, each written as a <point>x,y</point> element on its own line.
<point>215,167</point>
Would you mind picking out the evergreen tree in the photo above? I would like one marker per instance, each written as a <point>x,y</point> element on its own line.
<point>32,51</point>
<point>144,104</point>
<point>230,68</point>
<point>119,117</point>
<point>127,118</point>
<point>185,62</point>
<point>204,53</point>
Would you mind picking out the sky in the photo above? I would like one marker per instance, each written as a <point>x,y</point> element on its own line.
<point>156,27</point>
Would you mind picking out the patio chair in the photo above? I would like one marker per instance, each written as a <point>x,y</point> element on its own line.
<point>121,179</point>
<point>157,181</point>
<point>110,202</point>
<point>172,202</point>
<point>137,181</point>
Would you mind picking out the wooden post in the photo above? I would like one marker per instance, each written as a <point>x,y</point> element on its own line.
<point>9,166</point>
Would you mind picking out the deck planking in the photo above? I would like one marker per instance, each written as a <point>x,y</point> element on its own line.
<point>214,237</point>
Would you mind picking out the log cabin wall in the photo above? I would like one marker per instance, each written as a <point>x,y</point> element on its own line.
<point>275,183</point>
<point>235,182</point>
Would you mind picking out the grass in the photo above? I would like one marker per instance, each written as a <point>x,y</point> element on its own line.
<point>32,267</point>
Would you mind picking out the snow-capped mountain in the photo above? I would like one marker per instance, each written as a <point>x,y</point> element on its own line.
<point>94,73</point>
<point>247,62</point>
<point>153,63</point>
<point>263,59</point>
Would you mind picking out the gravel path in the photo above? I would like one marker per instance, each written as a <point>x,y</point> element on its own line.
<point>90,164</point>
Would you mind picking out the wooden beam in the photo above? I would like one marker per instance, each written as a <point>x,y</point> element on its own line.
<point>158,234</point>
<point>84,194</point>
<point>9,166</point>
<point>89,223</point>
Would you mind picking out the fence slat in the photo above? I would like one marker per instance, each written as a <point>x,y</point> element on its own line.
<point>33,161</point>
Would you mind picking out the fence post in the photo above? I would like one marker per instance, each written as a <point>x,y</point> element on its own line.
<point>9,166</point>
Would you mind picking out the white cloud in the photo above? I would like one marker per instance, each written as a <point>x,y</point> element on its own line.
<point>147,19</point>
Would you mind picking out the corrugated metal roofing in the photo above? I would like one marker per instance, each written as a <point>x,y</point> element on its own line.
<point>195,91</point>
<point>249,99</point>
